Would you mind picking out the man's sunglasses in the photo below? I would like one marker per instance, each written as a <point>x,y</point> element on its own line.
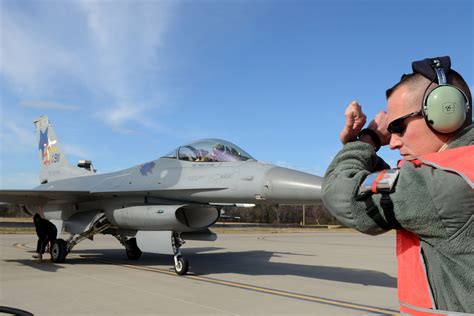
<point>397,126</point>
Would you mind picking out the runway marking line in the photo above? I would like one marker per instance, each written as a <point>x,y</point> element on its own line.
<point>259,289</point>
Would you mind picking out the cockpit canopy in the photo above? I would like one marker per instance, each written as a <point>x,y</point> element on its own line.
<point>210,150</point>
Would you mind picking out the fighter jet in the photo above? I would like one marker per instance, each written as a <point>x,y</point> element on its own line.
<point>156,205</point>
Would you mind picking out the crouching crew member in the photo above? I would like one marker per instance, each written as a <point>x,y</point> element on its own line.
<point>46,232</point>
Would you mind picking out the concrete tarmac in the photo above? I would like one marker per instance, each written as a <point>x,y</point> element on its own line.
<point>320,273</point>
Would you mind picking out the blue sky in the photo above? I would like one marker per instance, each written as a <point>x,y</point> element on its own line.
<point>125,82</point>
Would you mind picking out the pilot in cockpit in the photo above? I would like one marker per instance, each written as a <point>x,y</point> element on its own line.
<point>218,152</point>
<point>203,157</point>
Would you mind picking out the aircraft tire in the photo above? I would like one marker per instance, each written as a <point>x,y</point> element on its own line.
<point>58,250</point>
<point>182,266</point>
<point>133,252</point>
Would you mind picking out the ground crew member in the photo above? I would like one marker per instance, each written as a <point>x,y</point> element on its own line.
<point>46,232</point>
<point>428,199</point>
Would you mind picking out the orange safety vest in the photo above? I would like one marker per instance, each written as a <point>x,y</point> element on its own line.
<point>413,288</point>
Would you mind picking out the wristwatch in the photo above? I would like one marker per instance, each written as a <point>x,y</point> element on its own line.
<point>373,135</point>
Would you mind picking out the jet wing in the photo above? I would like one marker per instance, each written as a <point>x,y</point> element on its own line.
<point>42,196</point>
<point>39,196</point>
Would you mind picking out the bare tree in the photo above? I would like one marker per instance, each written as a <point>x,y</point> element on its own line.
<point>282,214</point>
<point>12,210</point>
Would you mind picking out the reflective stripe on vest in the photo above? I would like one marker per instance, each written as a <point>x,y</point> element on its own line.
<point>413,287</point>
<point>412,281</point>
<point>459,160</point>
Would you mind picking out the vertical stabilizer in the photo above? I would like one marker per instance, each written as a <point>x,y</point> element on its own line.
<point>53,162</point>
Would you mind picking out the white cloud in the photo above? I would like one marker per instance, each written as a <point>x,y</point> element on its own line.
<point>118,115</point>
<point>100,47</point>
<point>27,60</point>
<point>48,105</point>
<point>16,138</point>
<point>125,44</point>
<point>76,150</point>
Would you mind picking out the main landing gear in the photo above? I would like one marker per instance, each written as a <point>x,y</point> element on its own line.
<point>131,248</point>
<point>60,248</point>
<point>133,252</point>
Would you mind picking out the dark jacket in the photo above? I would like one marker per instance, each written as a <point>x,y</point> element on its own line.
<point>45,229</point>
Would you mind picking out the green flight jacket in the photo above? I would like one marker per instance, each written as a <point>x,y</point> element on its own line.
<point>436,205</point>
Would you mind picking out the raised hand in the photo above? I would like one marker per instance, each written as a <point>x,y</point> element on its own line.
<point>355,120</point>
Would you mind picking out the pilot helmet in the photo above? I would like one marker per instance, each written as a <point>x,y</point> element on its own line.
<point>219,147</point>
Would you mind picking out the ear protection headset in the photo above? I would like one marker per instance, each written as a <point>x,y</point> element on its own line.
<point>445,107</point>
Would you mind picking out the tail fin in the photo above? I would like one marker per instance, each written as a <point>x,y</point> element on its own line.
<point>53,162</point>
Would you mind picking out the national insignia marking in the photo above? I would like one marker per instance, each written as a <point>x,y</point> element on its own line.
<point>147,168</point>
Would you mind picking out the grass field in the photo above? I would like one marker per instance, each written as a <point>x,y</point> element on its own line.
<point>17,230</point>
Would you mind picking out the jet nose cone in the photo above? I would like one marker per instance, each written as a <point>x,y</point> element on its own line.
<point>284,185</point>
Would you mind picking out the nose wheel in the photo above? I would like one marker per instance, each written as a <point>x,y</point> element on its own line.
<point>181,264</point>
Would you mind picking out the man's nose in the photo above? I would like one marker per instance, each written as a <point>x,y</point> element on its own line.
<point>395,142</point>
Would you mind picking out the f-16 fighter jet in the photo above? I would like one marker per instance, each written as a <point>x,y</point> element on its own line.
<point>156,205</point>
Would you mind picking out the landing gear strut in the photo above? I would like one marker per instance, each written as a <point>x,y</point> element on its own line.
<point>181,264</point>
<point>60,247</point>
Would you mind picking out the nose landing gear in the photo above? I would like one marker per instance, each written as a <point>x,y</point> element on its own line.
<point>181,264</point>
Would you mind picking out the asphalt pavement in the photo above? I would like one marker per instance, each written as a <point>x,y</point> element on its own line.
<point>330,272</point>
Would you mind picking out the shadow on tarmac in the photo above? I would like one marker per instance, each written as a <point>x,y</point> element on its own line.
<point>45,265</point>
<point>258,263</point>
<point>255,262</point>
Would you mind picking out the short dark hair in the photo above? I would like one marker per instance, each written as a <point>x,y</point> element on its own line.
<point>36,217</point>
<point>454,78</point>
